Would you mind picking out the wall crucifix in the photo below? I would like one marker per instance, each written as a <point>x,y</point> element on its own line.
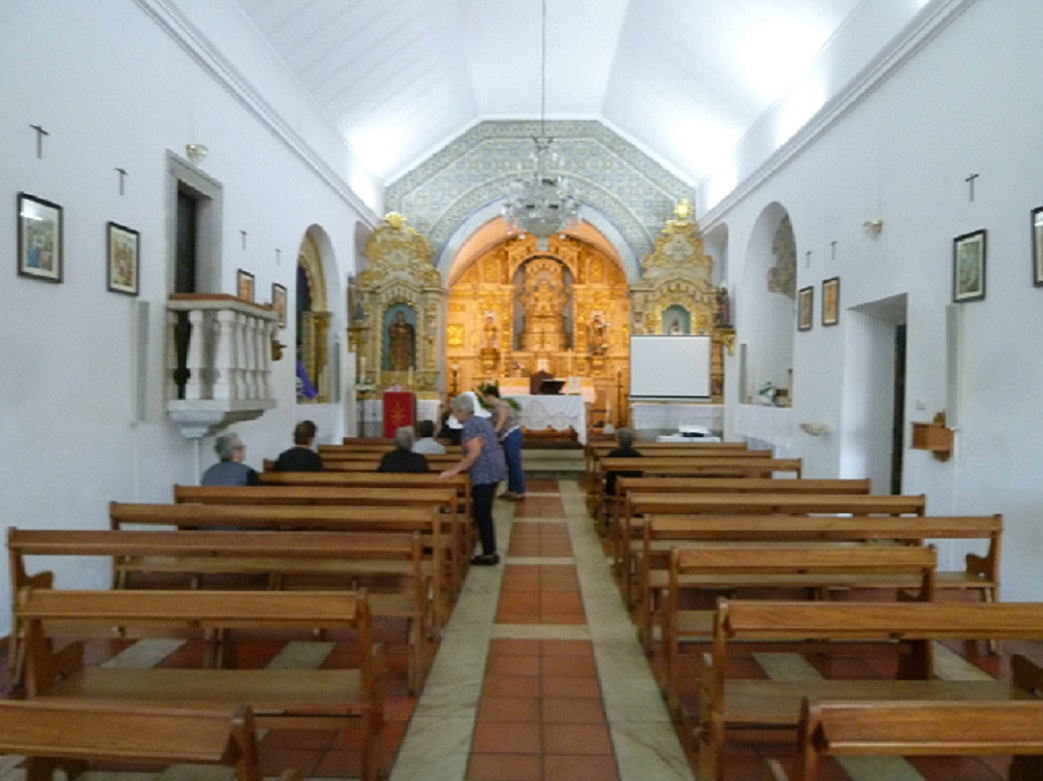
<point>40,133</point>
<point>970,182</point>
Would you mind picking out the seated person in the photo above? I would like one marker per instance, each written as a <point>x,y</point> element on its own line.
<point>427,442</point>
<point>402,458</point>
<point>625,440</point>
<point>230,470</point>
<point>300,457</point>
<point>451,428</point>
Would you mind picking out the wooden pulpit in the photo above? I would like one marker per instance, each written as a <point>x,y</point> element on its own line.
<point>399,410</point>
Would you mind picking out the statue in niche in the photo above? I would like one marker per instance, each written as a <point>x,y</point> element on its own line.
<point>490,332</point>
<point>724,307</point>
<point>401,344</point>
<point>598,336</point>
<point>545,326</point>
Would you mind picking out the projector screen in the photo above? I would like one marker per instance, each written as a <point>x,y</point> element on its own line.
<point>670,367</point>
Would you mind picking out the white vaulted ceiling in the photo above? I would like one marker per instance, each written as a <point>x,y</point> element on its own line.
<point>683,79</point>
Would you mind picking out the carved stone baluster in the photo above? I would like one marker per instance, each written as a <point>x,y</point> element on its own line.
<point>225,385</point>
<point>248,362</point>
<point>194,359</point>
<point>267,331</point>
<point>172,387</point>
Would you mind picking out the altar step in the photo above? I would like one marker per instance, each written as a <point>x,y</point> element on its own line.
<point>541,463</point>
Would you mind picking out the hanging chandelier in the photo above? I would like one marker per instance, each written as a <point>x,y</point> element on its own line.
<point>538,200</point>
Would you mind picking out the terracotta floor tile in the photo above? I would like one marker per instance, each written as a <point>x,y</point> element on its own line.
<point>557,686</point>
<point>558,767</point>
<point>519,709</point>
<point>576,739</point>
<point>513,665</point>
<point>506,738</point>
<point>505,767</point>
<point>561,618</point>
<point>513,647</point>
<point>569,666</point>
<point>567,648</point>
<point>511,686</point>
<point>572,710</point>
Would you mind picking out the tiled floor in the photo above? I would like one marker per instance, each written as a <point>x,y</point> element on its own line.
<point>539,676</point>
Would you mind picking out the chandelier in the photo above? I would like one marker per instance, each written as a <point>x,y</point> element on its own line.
<point>538,199</point>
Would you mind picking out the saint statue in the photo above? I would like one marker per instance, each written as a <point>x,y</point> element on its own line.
<point>724,307</point>
<point>598,339</point>
<point>490,332</point>
<point>400,344</point>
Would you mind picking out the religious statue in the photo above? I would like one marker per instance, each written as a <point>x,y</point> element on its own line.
<point>400,344</point>
<point>724,307</point>
<point>544,324</point>
<point>490,332</point>
<point>598,339</point>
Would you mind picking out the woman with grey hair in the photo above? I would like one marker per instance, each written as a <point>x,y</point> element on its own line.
<point>483,459</point>
<point>230,470</point>
<point>402,458</point>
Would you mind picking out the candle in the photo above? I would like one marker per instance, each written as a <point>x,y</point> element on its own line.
<point>362,368</point>
<point>409,382</point>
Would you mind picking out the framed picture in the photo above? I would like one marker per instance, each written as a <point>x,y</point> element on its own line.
<point>1037,246</point>
<point>805,308</point>
<point>279,302</point>
<point>244,284</point>
<point>123,261</point>
<point>968,267</point>
<point>831,301</point>
<point>39,238</point>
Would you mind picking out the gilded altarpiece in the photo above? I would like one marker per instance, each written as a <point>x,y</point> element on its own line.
<point>517,310</point>
<point>397,312</point>
<point>676,293</point>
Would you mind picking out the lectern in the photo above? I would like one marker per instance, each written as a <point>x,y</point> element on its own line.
<point>399,410</point>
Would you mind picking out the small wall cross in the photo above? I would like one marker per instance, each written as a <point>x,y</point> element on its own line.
<point>123,175</point>
<point>970,182</point>
<point>40,133</point>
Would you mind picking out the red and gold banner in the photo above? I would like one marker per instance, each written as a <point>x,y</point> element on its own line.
<point>399,410</point>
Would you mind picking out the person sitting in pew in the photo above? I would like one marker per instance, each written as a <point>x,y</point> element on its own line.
<point>625,440</point>
<point>301,457</point>
<point>402,458</point>
<point>426,443</point>
<point>230,470</point>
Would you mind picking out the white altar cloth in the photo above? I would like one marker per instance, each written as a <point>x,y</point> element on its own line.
<point>556,412</point>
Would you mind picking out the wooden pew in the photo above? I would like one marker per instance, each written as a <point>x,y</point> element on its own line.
<point>765,707</point>
<point>390,566</point>
<point>280,698</point>
<point>68,735</point>
<point>738,463</point>
<point>919,727</point>
<point>295,488</point>
<point>378,448</point>
<point>369,463</point>
<point>757,503</point>
<point>269,517</point>
<point>598,449</point>
<point>816,567</point>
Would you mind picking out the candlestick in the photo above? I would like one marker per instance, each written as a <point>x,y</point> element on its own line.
<point>362,368</point>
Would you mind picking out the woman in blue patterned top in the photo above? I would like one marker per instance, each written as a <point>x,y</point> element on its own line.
<point>483,459</point>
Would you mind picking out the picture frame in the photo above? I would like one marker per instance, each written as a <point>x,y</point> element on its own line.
<point>831,301</point>
<point>244,285</point>
<point>968,267</point>
<point>279,302</point>
<point>805,308</point>
<point>1037,246</point>
<point>40,254</point>
<point>123,259</point>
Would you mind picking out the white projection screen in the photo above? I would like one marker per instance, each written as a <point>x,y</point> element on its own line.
<point>670,367</point>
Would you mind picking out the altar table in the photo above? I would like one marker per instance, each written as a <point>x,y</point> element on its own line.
<point>557,412</point>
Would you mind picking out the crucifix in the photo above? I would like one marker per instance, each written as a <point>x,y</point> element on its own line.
<point>123,175</point>
<point>40,133</point>
<point>807,259</point>
<point>970,182</point>
<point>833,249</point>
<point>243,234</point>
<point>278,256</point>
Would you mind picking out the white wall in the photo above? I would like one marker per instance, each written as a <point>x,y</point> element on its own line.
<point>961,104</point>
<point>115,88</point>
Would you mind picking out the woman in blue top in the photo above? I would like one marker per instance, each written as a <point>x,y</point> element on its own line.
<point>483,459</point>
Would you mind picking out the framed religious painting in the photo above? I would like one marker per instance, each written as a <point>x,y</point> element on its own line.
<point>122,259</point>
<point>968,267</point>
<point>831,301</point>
<point>39,238</point>
<point>805,308</point>
<point>244,285</point>
<point>1037,246</point>
<point>279,303</point>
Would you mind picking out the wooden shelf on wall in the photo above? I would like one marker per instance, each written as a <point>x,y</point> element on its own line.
<point>935,437</point>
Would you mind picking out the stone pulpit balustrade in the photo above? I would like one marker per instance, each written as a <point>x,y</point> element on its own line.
<point>219,361</point>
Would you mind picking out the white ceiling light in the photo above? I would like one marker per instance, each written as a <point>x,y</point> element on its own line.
<point>539,201</point>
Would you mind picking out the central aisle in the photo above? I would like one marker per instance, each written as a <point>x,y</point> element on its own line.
<point>539,676</point>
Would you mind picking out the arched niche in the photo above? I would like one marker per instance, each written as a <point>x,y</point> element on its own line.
<point>768,312</point>
<point>314,315</point>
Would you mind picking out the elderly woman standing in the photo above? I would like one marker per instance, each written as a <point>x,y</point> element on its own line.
<point>483,459</point>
